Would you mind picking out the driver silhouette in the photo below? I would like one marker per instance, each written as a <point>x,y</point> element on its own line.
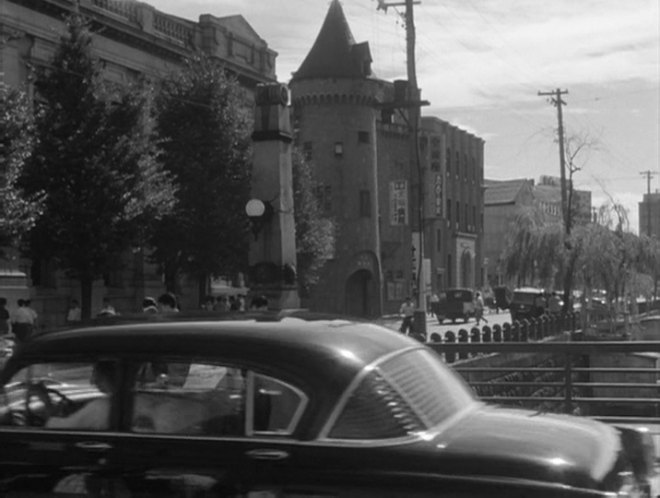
<point>95,415</point>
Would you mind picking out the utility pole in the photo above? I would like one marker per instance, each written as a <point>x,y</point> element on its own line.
<point>648,174</point>
<point>414,123</point>
<point>555,99</point>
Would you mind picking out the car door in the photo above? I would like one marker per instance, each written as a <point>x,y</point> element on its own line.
<point>58,429</point>
<point>204,427</point>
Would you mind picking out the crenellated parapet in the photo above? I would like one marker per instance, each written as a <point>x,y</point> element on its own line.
<point>364,93</point>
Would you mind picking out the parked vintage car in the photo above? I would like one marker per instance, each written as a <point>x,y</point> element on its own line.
<point>281,405</point>
<point>458,304</point>
<point>528,303</point>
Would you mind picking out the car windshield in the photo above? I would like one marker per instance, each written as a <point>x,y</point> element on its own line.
<point>404,394</point>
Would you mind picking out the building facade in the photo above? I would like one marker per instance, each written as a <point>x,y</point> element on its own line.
<point>374,188</point>
<point>503,201</point>
<point>649,215</point>
<point>132,41</point>
<point>547,198</point>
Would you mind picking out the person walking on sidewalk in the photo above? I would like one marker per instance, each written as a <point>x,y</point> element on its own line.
<point>479,308</point>
<point>407,311</point>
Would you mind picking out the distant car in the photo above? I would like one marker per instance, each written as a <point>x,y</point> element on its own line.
<point>528,303</point>
<point>280,406</point>
<point>458,304</point>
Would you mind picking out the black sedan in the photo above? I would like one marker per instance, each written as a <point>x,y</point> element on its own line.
<point>281,407</point>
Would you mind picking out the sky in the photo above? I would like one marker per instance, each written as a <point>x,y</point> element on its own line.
<point>482,63</point>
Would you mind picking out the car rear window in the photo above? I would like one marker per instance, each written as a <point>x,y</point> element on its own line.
<point>402,395</point>
<point>524,297</point>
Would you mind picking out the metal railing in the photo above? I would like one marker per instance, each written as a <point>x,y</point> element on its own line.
<point>611,381</point>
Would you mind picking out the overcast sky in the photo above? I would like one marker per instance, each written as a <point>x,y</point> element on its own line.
<point>481,64</point>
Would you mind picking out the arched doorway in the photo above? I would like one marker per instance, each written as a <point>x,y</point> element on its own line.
<point>359,293</point>
<point>466,269</point>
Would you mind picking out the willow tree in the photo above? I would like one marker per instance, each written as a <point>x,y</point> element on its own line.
<point>534,253</point>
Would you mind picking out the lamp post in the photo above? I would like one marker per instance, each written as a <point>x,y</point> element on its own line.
<point>259,213</point>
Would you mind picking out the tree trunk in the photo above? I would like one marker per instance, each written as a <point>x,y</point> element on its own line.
<point>86,297</point>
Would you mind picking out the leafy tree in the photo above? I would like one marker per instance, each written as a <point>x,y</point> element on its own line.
<point>18,211</point>
<point>203,120</point>
<point>97,161</point>
<point>315,234</point>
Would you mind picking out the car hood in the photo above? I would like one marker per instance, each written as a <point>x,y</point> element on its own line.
<point>522,444</point>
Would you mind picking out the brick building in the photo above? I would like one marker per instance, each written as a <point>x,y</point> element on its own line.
<point>649,215</point>
<point>361,154</point>
<point>503,201</point>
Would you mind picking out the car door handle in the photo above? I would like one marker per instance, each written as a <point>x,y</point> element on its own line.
<point>93,446</point>
<point>264,454</point>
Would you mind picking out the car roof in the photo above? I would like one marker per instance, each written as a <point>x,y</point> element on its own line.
<point>531,290</point>
<point>324,351</point>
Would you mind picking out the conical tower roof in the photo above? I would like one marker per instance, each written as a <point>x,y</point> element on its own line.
<point>335,53</point>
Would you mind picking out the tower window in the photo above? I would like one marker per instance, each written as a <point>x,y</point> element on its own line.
<point>363,137</point>
<point>339,149</point>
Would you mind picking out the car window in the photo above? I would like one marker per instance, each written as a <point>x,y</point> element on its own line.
<point>212,399</point>
<point>60,396</point>
<point>402,395</point>
<point>188,398</point>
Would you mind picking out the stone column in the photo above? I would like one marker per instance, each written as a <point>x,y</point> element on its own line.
<point>273,247</point>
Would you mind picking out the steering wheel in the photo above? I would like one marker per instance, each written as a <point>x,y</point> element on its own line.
<point>42,402</point>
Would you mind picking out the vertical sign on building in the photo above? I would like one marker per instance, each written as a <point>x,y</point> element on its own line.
<point>437,189</point>
<point>399,202</point>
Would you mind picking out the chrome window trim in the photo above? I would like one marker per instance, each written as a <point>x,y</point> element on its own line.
<point>343,400</point>
<point>303,401</point>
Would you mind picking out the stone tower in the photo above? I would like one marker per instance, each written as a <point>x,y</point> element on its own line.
<point>335,97</point>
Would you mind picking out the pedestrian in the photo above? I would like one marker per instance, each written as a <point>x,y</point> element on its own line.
<point>73,314</point>
<point>259,303</point>
<point>167,303</point>
<point>107,309</point>
<point>221,304</point>
<point>208,304</point>
<point>33,313</point>
<point>149,305</point>
<point>435,300</point>
<point>4,318</point>
<point>22,323</point>
<point>407,311</point>
<point>479,308</point>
